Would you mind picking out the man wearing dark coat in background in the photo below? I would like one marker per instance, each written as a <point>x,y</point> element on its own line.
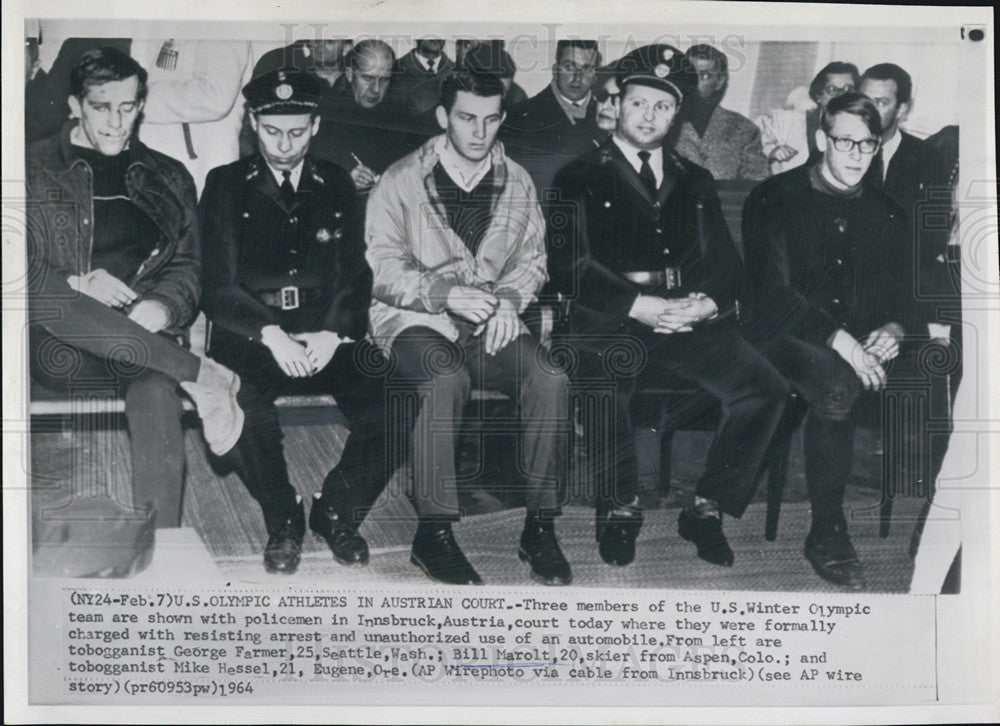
<point>638,245</point>
<point>416,83</point>
<point>287,290</point>
<point>557,124</point>
<point>364,130</point>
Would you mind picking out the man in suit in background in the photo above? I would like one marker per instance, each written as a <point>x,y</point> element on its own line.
<point>722,141</point>
<point>364,129</point>
<point>557,124</point>
<point>417,79</point>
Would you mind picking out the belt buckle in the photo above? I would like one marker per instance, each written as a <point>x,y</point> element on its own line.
<point>289,297</point>
<point>671,277</point>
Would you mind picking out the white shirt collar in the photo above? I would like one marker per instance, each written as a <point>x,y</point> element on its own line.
<point>889,149</point>
<point>293,177</point>
<point>426,63</point>
<point>631,152</point>
<point>457,168</point>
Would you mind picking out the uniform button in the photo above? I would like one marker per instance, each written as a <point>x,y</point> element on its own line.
<point>656,205</point>
<point>246,215</point>
<point>836,301</point>
<point>293,252</point>
<point>86,221</point>
<point>154,253</point>
<point>338,215</point>
<point>607,205</point>
<point>293,271</point>
<point>293,220</point>
<point>666,250</point>
<point>840,261</point>
<point>659,231</point>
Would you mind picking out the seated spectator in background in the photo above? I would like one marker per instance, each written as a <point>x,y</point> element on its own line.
<point>831,288</point>
<point>287,291</point>
<point>456,244</point>
<point>116,284</point>
<point>607,100</point>
<point>321,58</point>
<point>720,140</point>
<point>490,57</point>
<point>417,79</point>
<point>788,135</point>
<point>193,111</point>
<point>363,131</point>
<point>557,124</point>
<point>646,260</point>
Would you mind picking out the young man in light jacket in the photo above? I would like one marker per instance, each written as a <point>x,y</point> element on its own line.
<point>456,243</point>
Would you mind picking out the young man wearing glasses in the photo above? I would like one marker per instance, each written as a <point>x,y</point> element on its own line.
<point>830,272</point>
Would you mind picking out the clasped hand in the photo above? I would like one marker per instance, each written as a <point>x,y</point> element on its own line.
<point>495,318</point>
<point>674,315</point>
<point>301,355</point>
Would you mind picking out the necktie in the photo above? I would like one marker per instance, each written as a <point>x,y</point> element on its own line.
<point>430,66</point>
<point>646,173</point>
<point>287,190</point>
<point>877,173</point>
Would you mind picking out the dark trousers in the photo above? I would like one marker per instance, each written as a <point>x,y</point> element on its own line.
<point>830,388</point>
<point>431,383</point>
<point>354,377</point>
<point>80,346</point>
<point>751,393</point>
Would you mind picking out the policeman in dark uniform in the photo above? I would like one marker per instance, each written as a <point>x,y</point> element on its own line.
<point>638,244</point>
<point>287,290</point>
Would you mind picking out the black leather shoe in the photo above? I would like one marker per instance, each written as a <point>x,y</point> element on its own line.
<point>617,531</point>
<point>436,552</point>
<point>706,534</point>
<point>348,547</point>
<point>540,548</point>
<point>284,546</point>
<point>831,554</point>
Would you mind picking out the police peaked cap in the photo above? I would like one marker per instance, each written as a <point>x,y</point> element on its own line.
<point>659,66</point>
<point>284,91</point>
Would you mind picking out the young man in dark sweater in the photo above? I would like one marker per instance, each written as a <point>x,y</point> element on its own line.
<point>830,272</point>
<point>113,246</point>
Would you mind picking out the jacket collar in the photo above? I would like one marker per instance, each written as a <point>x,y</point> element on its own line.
<point>259,175</point>
<point>60,158</point>
<point>610,153</point>
<point>427,158</point>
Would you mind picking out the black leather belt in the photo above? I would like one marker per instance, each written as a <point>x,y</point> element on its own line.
<point>288,298</point>
<point>668,277</point>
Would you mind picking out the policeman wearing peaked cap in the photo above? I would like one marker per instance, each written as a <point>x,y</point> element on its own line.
<point>284,91</point>
<point>647,264</point>
<point>287,289</point>
<point>659,66</point>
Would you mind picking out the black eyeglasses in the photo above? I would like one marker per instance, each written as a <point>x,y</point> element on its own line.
<point>865,146</point>
<point>832,90</point>
<point>603,94</point>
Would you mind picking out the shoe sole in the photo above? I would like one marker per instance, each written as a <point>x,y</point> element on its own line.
<point>341,560</point>
<point>415,561</point>
<point>558,581</point>
<point>279,571</point>
<point>833,580</point>
<point>701,557</point>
